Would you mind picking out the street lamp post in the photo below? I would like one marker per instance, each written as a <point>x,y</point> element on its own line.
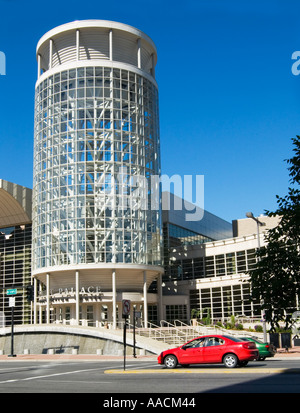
<point>259,224</point>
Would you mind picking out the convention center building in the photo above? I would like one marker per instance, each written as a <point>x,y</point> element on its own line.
<point>209,277</point>
<point>95,231</point>
<point>205,270</point>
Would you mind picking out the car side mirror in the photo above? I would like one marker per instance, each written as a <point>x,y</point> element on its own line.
<point>183,347</point>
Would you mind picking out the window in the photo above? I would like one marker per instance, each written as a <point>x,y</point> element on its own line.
<point>227,301</point>
<point>217,302</point>
<point>15,263</point>
<point>241,261</point>
<point>220,265</point>
<point>251,259</point>
<point>187,269</point>
<point>209,266</point>
<point>198,267</point>
<point>152,314</point>
<point>199,342</point>
<point>90,315</point>
<point>237,340</point>
<point>213,341</point>
<point>230,263</point>
<point>176,312</point>
<point>68,315</point>
<point>237,299</point>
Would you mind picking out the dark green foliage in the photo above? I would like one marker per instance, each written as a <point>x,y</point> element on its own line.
<point>276,278</point>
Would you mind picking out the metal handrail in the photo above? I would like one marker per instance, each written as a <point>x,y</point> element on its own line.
<point>151,330</point>
<point>180,332</point>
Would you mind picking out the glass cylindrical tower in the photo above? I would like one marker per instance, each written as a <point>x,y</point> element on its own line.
<point>96,163</point>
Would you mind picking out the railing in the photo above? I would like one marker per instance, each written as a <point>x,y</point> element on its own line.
<point>175,334</point>
<point>203,329</point>
<point>238,319</point>
<point>151,331</point>
<point>180,332</point>
<point>166,332</point>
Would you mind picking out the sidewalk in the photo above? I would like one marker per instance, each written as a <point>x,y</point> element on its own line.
<point>292,353</point>
<point>72,357</point>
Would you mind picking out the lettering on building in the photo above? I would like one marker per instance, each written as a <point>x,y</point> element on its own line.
<point>66,294</point>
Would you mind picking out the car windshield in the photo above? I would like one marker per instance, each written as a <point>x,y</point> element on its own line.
<point>233,338</point>
<point>198,342</point>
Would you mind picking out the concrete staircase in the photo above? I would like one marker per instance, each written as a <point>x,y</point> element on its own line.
<point>179,333</point>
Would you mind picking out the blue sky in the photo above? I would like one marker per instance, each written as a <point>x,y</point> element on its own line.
<point>229,102</point>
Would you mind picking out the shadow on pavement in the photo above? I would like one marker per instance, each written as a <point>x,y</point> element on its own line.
<point>274,384</point>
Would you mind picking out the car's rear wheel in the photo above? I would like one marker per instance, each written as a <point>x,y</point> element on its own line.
<point>170,361</point>
<point>230,360</point>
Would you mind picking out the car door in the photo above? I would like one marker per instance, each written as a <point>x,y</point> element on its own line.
<point>213,349</point>
<point>192,352</point>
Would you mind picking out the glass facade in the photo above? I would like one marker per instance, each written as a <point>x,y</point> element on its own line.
<point>178,236</point>
<point>176,312</point>
<point>96,148</point>
<point>15,272</point>
<point>223,288</point>
<point>224,301</point>
<point>237,262</point>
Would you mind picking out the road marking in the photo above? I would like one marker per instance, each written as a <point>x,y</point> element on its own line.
<point>47,376</point>
<point>38,367</point>
<point>53,375</point>
<point>81,381</point>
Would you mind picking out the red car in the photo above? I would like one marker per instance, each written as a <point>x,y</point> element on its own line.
<point>230,351</point>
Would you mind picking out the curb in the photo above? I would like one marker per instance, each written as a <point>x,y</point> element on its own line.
<point>94,357</point>
<point>72,357</point>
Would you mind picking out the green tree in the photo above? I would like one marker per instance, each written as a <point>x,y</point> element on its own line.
<point>276,278</point>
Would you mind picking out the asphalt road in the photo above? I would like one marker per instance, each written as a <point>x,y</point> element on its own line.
<point>110,381</point>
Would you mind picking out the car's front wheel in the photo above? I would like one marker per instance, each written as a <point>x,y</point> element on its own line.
<point>230,360</point>
<point>170,362</point>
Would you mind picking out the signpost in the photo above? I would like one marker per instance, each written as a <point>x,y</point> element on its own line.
<point>126,308</point>
<point>125,312</point>
<point>136,315</point>
<point>12,302</point>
